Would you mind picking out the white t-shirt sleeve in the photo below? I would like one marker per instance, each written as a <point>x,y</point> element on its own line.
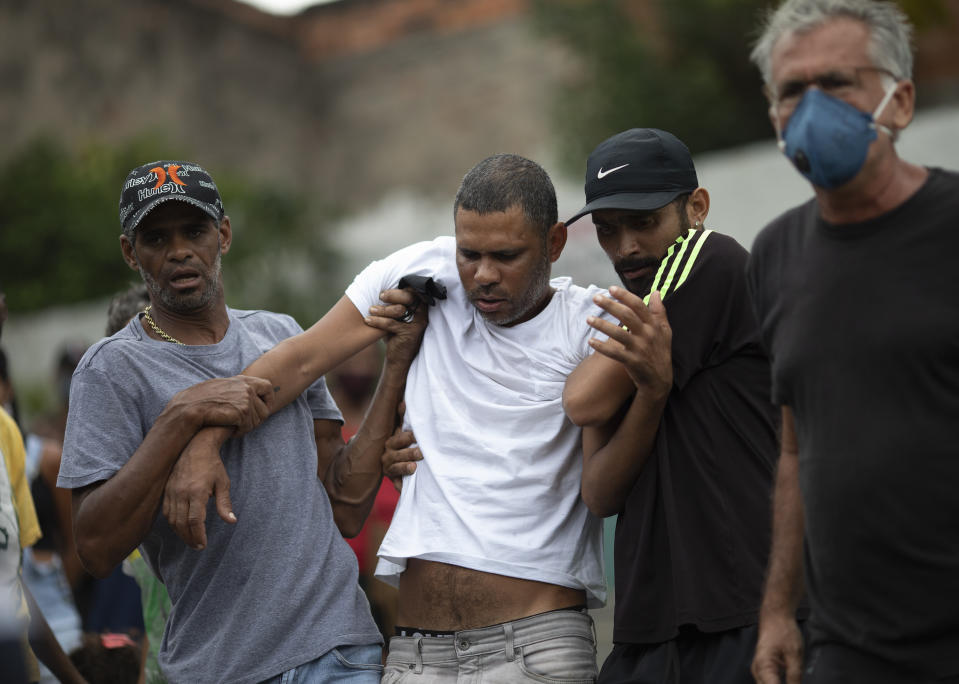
<point>421,258</point>
<point>580,331</point>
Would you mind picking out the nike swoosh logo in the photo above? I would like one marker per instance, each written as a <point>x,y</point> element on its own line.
<point>602,174</point>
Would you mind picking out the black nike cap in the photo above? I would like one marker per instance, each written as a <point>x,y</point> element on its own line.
<point>641,169</point>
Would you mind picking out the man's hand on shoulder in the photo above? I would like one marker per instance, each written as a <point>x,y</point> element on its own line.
<point>241,402</point>
<point>642,342</point>
<point>198,475</point>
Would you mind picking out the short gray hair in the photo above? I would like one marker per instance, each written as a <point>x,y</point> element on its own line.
<point>503,181</point>
<point>890,41</point>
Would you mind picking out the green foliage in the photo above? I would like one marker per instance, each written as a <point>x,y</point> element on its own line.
<point>680,65</point>
<point>59,231</point>
<point>58,243</point>
<point>278,260</point>
<point>925,14</point>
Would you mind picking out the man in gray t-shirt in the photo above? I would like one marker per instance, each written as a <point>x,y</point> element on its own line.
<point>272,587</point>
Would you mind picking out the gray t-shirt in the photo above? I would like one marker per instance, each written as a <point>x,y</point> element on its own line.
<point>278,588</point>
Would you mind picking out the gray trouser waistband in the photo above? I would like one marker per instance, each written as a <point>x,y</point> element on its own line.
<point>502,637</point>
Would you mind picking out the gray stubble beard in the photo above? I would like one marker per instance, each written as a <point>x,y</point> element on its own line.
<point>184,304</point>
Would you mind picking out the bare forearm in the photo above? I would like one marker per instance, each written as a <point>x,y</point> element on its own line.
<point>611,463</point>
<point>354,476</point>
<point>46,647</point>
<point>784,580</point>
<point>112,517</point>
<point>287,366</point>
<point>297,362</point>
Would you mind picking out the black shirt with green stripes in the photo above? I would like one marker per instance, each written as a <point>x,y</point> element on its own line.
<point>693,537</point>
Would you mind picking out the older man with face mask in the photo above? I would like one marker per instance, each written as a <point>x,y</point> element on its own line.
<point>856,295</point>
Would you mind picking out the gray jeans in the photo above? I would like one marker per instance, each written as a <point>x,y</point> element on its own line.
<point>559,646</point>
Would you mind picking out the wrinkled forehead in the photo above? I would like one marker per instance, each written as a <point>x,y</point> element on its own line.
<point>494,227</point>
<point>838,43</point>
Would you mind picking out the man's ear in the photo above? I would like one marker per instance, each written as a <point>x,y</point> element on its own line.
<point>226,235</point>
<point>556,240</point>
<point>129,254</point>
<point>774,120</point>
<point>903,105</point>
<point>697,207</point>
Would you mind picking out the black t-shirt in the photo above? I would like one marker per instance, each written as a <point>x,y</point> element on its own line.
<point>693,538</point>
<point>862,325</point>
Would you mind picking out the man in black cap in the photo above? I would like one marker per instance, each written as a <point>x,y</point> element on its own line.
<point>687,461</point>
<point>273,589</point>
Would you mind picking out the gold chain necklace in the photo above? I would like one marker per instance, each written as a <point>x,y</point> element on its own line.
<point>156,328</point>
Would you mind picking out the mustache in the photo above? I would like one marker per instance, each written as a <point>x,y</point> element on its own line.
<point>635,264</point>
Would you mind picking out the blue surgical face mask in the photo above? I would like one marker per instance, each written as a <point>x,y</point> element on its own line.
<point>827,139</point>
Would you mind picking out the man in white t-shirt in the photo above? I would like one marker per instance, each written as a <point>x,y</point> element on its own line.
<point>495,554</point>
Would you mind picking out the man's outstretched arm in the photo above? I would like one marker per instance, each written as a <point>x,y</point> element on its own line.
<point>297,362</point>
<point>352,473</point>
<point>779,649</point>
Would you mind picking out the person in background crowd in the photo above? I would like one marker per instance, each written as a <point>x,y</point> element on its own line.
<point>71,600</point>
<point>108,659</point>
<point>19,529</point>
<point>51,568</point>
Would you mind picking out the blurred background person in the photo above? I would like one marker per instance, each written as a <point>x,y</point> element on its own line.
<point>19,529</point>
<point>45,564</point>
<point>71,600</point>
<point>108,659</point>
<point>108,605</point>
<point>51,568</point>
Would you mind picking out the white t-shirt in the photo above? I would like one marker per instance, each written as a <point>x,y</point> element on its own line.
<point>498,487</point>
